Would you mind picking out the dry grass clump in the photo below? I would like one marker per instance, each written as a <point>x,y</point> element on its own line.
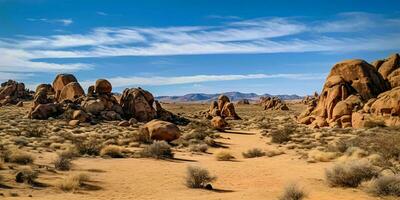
<point>158,150</point>
<point>321,156</point>
<point>350,174</point>
<point>253,153</point>
<point>34,132</point>
<point>293,192</point>
<point>18,156</point>
<point>112,150</point>
<point>89,146</point>
<point>73,182</point>
<point>70,152</point>
<point>387,185</point>
<point>224,156</point>
<point>198,148</point>
<point>62,163</point>
<point>197,177</point>
<point>282,135</point>
<point>26,175</point>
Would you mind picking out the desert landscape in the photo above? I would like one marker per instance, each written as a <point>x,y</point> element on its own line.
<point>68,144</point>
<point>211,99</point>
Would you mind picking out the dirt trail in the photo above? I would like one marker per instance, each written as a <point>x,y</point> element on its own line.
<point>256,178</point>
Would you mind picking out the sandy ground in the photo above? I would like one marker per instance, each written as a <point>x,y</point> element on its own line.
<point>255,178</point>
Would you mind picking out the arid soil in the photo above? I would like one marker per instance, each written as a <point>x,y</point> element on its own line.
<point>301,159</point>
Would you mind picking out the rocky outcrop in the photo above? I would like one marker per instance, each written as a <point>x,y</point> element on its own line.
<point>72,91</point>
<point>219,123</point>
<point>138,103</point>
<point>12,92</point>
<point>273,103</point>
<point>357,94</point>
<point>160,130</point>
<point>223,108</point>
<point>243,102</point>
<point>61,81</point>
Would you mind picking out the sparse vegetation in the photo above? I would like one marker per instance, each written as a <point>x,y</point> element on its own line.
<point>282,135</point>
<point>198,147</point>
<point>350,174</point>
<point>26,175</point>
<point>91,146</point>
<point>158,150</point>
<point>18,156</point>
<point>62,163</point>
<point>293,192</point>
<point>197,177</point>
<point>387,185</point>
<point>253,153</point>
<point>224,156</point>
<point>73,182</point>
<point>112,150</point>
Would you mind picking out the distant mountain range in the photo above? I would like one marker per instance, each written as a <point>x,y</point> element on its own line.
<point>233,96</point>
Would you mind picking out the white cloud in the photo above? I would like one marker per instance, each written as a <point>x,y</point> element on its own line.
<point>263,35</point>
<point>175,80</point>
<point>64,22</point>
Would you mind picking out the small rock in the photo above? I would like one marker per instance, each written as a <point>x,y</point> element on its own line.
<point>74,122</point>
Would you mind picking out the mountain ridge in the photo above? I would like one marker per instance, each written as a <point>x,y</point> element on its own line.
<point>233,96</point>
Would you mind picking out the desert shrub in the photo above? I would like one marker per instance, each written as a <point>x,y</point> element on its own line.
<point>209,141</point>
<point>90,146</point>
<point>142,136</point>
<point>62,163</point>
<point>70,153</point>
<point>112,150</point>
<point>282,135</point>
<point>21,141</point>
<point>388,185</point>
<point>350,174</point>
<point>158,150</point>
<point>34,132</point>
<point>197,177</point>
<point>26,175</point>
<point>73,182</point>
<point>198,148</point>
<point>293,192</point>
<point>195,134</point>
<point>252,153</point>
<point>18,156</point>
<point>224,156</point>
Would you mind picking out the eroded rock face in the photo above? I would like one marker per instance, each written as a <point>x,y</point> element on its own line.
<point>138,103</point>
<point>273,103</point>
<point>355,94</point>
<point>161,130</point>
<point>12,92</point>
<point>61,81</point>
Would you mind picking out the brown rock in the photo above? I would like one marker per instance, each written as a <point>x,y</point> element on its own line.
<point>47,88</point>
<point>102,86</point>
<point>74,122</point>
<point>228,111</point>
<point>80,115</point>
<point>161,130</point>
<point>243,102</point>
<point>71,91</point>
<point>60,81</point>
<point>44,111</point>
<point>219,123</point>
<point>138,103</point>
<point>124,123</point>
<point>20,104</point>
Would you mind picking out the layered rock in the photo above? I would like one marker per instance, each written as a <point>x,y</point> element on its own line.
<point>357,93</point>
<point>12,92</point>
<point>273,103</point>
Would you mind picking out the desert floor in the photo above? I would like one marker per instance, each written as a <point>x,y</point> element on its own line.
<point>145,178</point>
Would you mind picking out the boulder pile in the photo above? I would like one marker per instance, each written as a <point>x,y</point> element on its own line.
<point>66,99</point>
<point>12,92</point>
<point>273,103</point>
<point>243,102</point>
<point>358,94</point>
<point>223,108</point>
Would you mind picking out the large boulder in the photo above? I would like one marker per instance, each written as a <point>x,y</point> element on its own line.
<point>71,91</point>
<point>102,86</point>
<point>223,108</point>
<point>61,81</point>
<point>219,123</point>
<point>13,92</point>
<point>46,88</point>
<point>161,130</point>
<point>357,94</point>
<point>44,111</point>
<point>138,103</point>
<point>273,103</point>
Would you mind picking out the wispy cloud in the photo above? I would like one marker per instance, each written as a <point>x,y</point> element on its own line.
<point>64,22</point>
<point>102,13</point>
<point>262,35</point>
<point>175,80</point>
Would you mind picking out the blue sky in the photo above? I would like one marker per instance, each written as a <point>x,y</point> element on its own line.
<point>177,47</point>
